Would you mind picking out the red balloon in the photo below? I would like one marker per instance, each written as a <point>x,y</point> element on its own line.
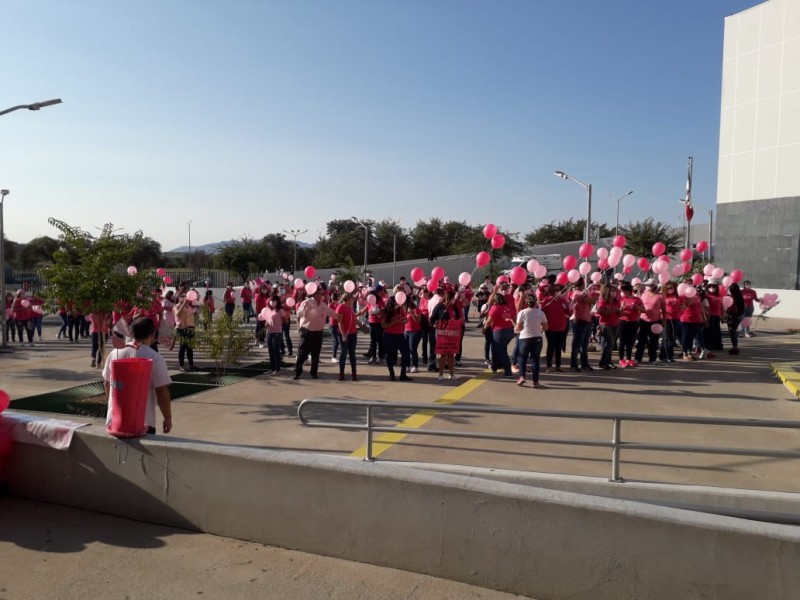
<point>5,400</point>
<point>562,279</point>
<point>602,264</point>
<point>310,272</point>
<point>697,279</point>
<point>627,270</point>
<point>659,248</point>
<point>701,246</point>
<point>498,241</point>
<point>665,258</point>
<point>643,263</point>
<point>619,241</point>
<point>686,254</point>
<point>585,251</point>
<point>569,262</point>
<point>518,275</point>
<point>437,273</point>
<point>432,285</point>
<point>482,259</point>
<point>687,267</point>
<point>417,274</point>
<point>501,279</point>
<point>489,231</point>
<point>736,277</point>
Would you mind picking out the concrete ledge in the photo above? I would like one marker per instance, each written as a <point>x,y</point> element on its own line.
<point>536,542</point>
<point>789,375</point>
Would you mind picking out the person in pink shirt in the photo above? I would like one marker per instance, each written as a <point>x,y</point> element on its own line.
<point>631,307</point>
<point>229,299</point>
<point>274,318</point>
<point>22,313</point>
<point>98,325</point>
<point>672,321</point>
<point>393,322</point>
<point>654,313</point>
<point>333,324</point>
<point>348,327</point>
<point>608,311</point>
<point>374,312</point>
<point>247,301</point>
<point>413,330</point>
<point>311,317</point>
<point>692,320</point>
<point>11,327</point>
<point>184,330</point>
<point>262,301</point>
<point>501,319</point>
<point>582,302</point>
<point>713,330</point>
<point>750,298</point>
<point>556,308</point>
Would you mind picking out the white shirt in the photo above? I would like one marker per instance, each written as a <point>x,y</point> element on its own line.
<point>158,378</point>
<point>530,320</point>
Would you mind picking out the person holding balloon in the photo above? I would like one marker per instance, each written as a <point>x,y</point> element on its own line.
<point>672,321</point>
<point>691,320</point>
<point>631,308</point>
<point>608,311</point>
<point>413,330</point>
<point>750,298</point>
<point>262,301</point>
<point>446,319</point>
<point>393,322</point>
<point>500,320</point>
<point>22,314</point>
<point>556,308</point>
<point>650,323</point>
<point>348,327</point>
<point>376,301</point>
<point>581,304</point>
<point>713,330</point>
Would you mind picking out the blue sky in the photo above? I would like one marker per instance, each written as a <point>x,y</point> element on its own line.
<point>250,117</point>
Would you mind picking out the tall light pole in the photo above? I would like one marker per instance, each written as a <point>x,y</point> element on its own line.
<point>366,239</point>
<point>294,233</point>
<point>620,199</point>
<point>710,223</point>
<point>3,194</point>
<point>588,188</point>
<point>189,225</point>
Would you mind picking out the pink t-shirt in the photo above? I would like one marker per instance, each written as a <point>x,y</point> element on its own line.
<point>608,311</point>
<point>503,316</point>
<point>632,307</point>
<point>673,307</point>
<point>274,320</point>
<point>653,307</point>
<point>349,324</point>
<point>414,321</point>
<point>714,305</point>
<point>556,309</point>
<point>582,307</point>
<point>691,311</point>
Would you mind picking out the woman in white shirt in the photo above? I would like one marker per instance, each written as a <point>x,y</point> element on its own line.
<point>531,322</point>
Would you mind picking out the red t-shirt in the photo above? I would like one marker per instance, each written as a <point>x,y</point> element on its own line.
<point>691,311</point>
<point>504,316</point>
<point>749,295</point>
<point>632,307</point>
<point>414,321</point>
<point>397,326</point>
<point>673,307</point>
<point>246,295</point>
<point>714,305</point>
<point>375,313</point>
<point>608,311</point>
<point>556,309</point>
<point>349,323</point>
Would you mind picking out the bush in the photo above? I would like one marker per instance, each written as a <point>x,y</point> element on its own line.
<point>226,341</point>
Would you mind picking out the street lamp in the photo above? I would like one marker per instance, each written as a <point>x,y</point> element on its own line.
<point>588,188</point>
<point>189,225</point>
<point>616,227</point>
<point>34,106</point>
<point>294,233</point>
<point>3,194</point>
<point>366,239</point>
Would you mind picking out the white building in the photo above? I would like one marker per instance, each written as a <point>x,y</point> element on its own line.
<point>758,187</point>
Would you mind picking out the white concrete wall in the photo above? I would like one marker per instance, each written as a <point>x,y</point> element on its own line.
<point>541,543</point>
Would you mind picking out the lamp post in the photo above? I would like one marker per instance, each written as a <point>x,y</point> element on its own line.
<point>588,188</point>
<point>710,224</point>
<point>189,225</point>
<point>3,194</point>
<point>620,199</point>
<point>366,239</point>
<point>294,233</point>
<point>34,106</point>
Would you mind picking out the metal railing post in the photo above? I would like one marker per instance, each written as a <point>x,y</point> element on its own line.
<point>368,455</point>
<point>615,441</point>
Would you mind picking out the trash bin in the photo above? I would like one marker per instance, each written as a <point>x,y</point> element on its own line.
<point>130,385</point>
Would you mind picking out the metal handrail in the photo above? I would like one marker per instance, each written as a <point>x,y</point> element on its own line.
<point>616,444</point>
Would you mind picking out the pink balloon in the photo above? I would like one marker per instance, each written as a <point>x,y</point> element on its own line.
<point>310,271</point>
<point>736,275</point>
<point>432,285</point>
<point>573,275</point>
<point>701,246</point>
<point>663,277</point>
<point>161,271</point>
<point>482,259</point>
<point>311,288</point>
<point>585,251</point>
<point>532,264</point>
<point>518,275</point>
<point>417,274</point>
<point>627,270</point>
<point>192,295</point>
<point>682,287</point>
<point>596,277</point>
<point>400,298</point>
<point>613,261</point>
<point>723,290</point>
<point>298,284</point>
<point>437,273</point>
<point>636,281</point>
<point>659,248</point>
<point>677,270</point>
<point>659,266</point>
<point>628,260</point>
<point>372,300</point>
<point>132,270</point>
<point>746,322</point>
<point>602,264</point>
<point>464,279</point>
<point>569,262</point>
<point>697,279</point>
<point>643,263</point>
<point>619,276</point>
<point>685,254</point>
<point>665,258</point>
<point>718,273</point>
<point>656,328</point>
<point>727,281</point>
<point>540,271</point>
<point>690,292</point>
<point>289,302</point>
<point>489,231</point>
<point>585,268</point>
<point>501,279</point>
<point>5,400</point>
<point>727,302</point>
<point>561,278</point>
<point>708,269</point>
<point>26,303</point>
<point>168,280</point>
<point>619,241</point>
<point>687,267</point>
<point>498,241</point>
<point>602,253</point>
<point>349,286</point>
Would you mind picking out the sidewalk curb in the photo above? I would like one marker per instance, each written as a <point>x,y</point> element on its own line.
<point>789,374</point>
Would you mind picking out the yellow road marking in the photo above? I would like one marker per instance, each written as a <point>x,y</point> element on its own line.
<point>381,443</point>
<point>788,374</point>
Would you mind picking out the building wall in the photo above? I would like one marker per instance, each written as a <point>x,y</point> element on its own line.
<point>758,187</point>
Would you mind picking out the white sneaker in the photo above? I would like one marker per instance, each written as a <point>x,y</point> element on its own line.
<point>450,376</point>
<point>702,354</point>
<point>334,360</point>
<point>440,377</point>
<point>413,369</point>
<point>261,345</point>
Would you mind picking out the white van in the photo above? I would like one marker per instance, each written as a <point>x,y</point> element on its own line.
<point>552,262</point>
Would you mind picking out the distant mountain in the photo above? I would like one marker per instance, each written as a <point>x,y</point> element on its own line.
<point>215,247</point>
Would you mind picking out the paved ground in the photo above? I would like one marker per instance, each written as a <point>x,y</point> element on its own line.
<point>262,412</point>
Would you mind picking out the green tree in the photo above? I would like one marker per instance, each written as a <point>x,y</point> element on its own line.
<point>38,252</point>
<point>243,257</point>
<point>147,252</point>
<point>91,272</point>
<point>386,234</point>
<point>225,340</point>
<point>345,239</point>
<point>557,232</point>
<point>643,234</point>
<point>455,237</point>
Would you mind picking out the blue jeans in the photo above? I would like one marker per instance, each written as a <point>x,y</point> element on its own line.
<point>688,334</point>
<point>287,339</point>
<point>608,334</point>
<point>530,347</point>
<point>501,338</point>
<point>274,349</point>
<point>413,339</point>
<point>348,349</point>
<point>581,331</point>
<point>337,338</point>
